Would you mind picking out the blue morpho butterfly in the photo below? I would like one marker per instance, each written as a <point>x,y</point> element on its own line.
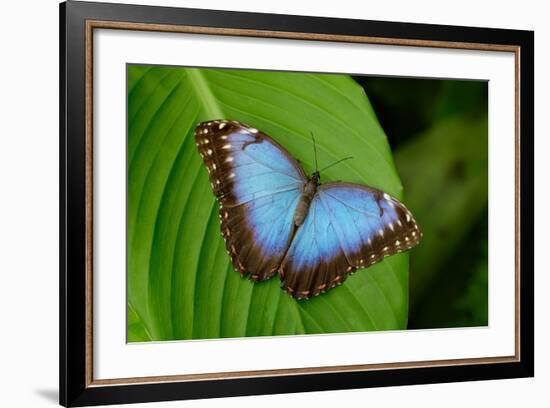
<point>276,219</point>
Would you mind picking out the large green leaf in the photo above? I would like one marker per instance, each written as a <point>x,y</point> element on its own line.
<point>180,281</point>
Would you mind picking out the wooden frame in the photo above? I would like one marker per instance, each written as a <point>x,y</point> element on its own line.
<point>77,22</point>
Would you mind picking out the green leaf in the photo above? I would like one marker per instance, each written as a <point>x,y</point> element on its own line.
<point>180,281</point>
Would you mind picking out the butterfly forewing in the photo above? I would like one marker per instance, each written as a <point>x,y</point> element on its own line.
<point>348,227</point>
<point>258,186</point>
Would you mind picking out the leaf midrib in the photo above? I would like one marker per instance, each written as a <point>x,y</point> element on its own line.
<point>204,93</point>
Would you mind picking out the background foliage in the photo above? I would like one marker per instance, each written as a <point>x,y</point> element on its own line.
<point>180,282</point>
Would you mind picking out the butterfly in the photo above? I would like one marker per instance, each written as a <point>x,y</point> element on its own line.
<point>275,219</point>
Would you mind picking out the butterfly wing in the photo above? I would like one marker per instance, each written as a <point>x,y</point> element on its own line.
<point>257,184</point>
<point>348,226</point>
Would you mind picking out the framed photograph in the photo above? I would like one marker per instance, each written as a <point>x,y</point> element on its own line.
<point>256,204</point>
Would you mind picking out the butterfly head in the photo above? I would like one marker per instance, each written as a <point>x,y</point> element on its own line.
<point>316,177</point>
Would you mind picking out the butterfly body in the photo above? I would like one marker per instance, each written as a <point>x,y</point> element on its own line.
<point>274,219</point>
<point>309,191</point>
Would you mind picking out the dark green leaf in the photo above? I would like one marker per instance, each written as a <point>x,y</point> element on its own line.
<point>445,171</point>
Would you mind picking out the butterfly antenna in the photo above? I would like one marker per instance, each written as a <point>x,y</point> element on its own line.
<point>314,150</point>
<point>336,162</point>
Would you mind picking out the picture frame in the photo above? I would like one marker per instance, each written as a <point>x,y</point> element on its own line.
<point>79,23</point>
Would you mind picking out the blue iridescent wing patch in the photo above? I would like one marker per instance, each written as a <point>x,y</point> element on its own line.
<point>261,189</point>
<point>258,185</point>
<point>348,227</point>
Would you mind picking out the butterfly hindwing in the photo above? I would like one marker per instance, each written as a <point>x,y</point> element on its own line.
<point>258,185</point>
<point>348,227</point>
